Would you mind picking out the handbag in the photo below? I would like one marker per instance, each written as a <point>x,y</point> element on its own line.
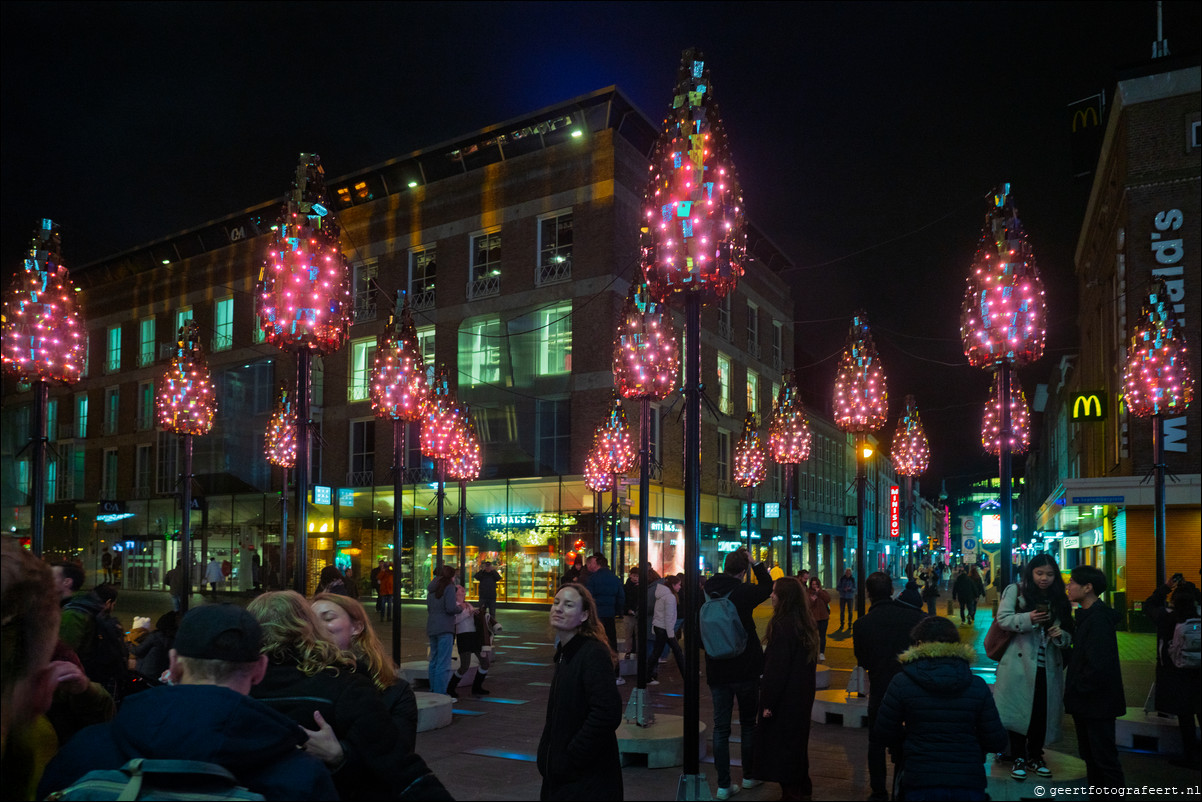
<point>996,641</point>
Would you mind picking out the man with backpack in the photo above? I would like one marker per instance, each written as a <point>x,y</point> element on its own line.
<point>206,715</point>
<point>731,671</point>
<point>88,627</point>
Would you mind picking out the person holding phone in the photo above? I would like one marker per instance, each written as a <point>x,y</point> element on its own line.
<point>1030,676</point>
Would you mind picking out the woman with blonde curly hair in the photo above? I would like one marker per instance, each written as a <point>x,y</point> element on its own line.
<point>313,682</point>
<point>344,623</point>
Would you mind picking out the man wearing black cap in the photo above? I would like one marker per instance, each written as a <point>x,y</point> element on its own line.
<point>206,715</point>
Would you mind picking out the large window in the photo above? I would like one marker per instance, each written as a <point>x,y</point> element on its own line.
<point>724,329</point>
<point>363,353</point>
<point>145,406</point>
<point>108,477</point>
<point>363,453</point>
<point>182,316</point>
<point>724,402</point>
<point>485,279</point>
<point>112,351</point>
<point>168,473</point>
<point>363,284</point>
<point>146,352</point>
<point>81,415</point>
<point>555,248</point>
<point>423,267</point>
<point>223,324</point>
<point>753,394</point>
<point>112,406</point>
<point>555,340</point>
<point>655,441</point>
<point>554,436</point>
<point>723,461</point>
<point>144,471</point>
<point>425,344</point>
<point>777,354</point>
<point>753,329</point>
<point>480,351</point>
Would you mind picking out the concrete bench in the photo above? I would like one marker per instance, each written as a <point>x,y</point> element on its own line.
<point>835,707</point>
<point>1148,732</point>
<point>417,672</point>
<point>433,710</point>
<point>662,742</point>
<point>822,678</point>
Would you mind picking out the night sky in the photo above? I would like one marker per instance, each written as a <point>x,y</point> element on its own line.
<point>867,135</point>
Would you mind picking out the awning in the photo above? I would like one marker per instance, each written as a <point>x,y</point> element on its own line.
<point>1075,499</point>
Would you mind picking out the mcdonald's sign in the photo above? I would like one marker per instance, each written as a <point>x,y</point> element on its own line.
<point>1087,406</point>
<point>1085,120</point>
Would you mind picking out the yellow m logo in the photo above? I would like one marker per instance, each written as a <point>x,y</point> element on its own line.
<point>1088,406</point>
<point>1084,116</point>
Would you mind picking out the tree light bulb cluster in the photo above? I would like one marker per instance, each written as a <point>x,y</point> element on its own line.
<point>646,352</point>
<point>440,421</point>
<point>280,443</point>
<point>186,403</point>
<point>617,450</point>
<point>861,398</point>
<point>596,478</point>
<point>43,335</point>
<point>1003,317</point>
<point>398,379</point>
<point>304,291</point>
<point>464,464</point>
<point>789,433</point>
<point>1156,376</point>
<point>991,427</point>
<point>693,233</point>
<point>750,466</point>
<point>911,453</point>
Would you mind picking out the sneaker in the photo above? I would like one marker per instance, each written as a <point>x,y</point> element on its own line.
<point>663,659</point>
<point>656,682</point>
<point>1003,757</point>
<point>750,783</point>
<point>727,793</point>
<point>1040,767</point>
<point>619,681</point>
<point>1019,772</point>
<point>821,657</point>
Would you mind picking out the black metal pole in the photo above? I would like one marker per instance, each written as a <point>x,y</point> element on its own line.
<point>909,518</point>
<point>1004,494</point>
<point>613,525</point>
<point>750,491</point>
<point>442,496</point>
<point>1159,470</point>
<point>692,533</point>
<point>37,471</point>
<point>282,580</point>
<point>640,608</point>
<point>788,519</point>
<point>185,529</point>
<point>304,448</point>
<point>400,434</point>
<point>861,514</point>
<point>463,529</point>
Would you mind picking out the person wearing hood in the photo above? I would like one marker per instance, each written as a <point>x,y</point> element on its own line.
<point>207,716</point>
<point>941,715</point>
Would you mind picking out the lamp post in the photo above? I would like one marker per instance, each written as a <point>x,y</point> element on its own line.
<point>43,342</point>
<point>440,426</point>
<point>911,456</point>
<point>693,243</point>
<point>1157,382</point>
<point>750,467</point>
<point>1002,327</point>
<point>186,406</point>
<point>789,439</point>
<point>280,445</point>
<point>399,393</point>
<point>861,406</point>
<point>304,306</point>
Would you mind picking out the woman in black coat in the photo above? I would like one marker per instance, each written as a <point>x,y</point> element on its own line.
<point>782,736</point>
<point>578,752</point>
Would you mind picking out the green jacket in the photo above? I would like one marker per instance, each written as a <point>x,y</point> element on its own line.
<point>78,624</point>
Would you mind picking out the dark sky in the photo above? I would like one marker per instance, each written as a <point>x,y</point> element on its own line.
<point>867,135</point>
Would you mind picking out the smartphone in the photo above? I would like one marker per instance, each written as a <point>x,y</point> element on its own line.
<point>1043,607</point>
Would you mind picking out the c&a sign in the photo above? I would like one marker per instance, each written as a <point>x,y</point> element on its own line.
<point>1087,406</point>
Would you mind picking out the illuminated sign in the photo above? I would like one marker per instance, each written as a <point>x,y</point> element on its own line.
<point>322,495</point>
<point>1072,542</point>
<point>991,529</point>
<point>772,509</point>
<point>753,506</point>
<point>346,496</point>
<point>728,545</point>
<point>511,520</point>
<point>894,511</point>
<point>1087,406</point>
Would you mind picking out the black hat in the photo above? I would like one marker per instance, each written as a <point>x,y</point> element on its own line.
<point>219,632</point>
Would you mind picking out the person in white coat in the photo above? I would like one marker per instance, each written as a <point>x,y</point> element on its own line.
<point>214,576</point>
<point>1030,676</point>
<point>663,625</point>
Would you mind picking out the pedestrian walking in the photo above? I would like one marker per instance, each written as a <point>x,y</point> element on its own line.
<point>820,609</point>
<point>847,597</point>
<point>928,580</point>
<point>1093,693</point>
<point>978,593</point>
<point>486,587</point>
<point>633,599</point>
<point>941,716</point>
<point>787,692</point>
<point>177,585</point>
<point>469,640</point>
<point>1030,676</point>
<point>374,580</point>
<point>386,591</point>
<point>578,751</point>
<point>1176,688</point>
<point>663,624</point>
<point>214,576</point>
<point>442,605</point>
<point>965,595</point>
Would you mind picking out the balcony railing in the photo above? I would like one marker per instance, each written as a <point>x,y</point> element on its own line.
<point>724,330</point>
<point>143,491</point>
<point>423,300</point>
<point>365,310</point>
<point>360,478</point>
<point>166,350</point>
<point>358,392</point>
<point>223,342</point>
<point>726,487</point>
<point>146,357</point>
<point>484,287</point>
<point>112,364</point>
<point>753,348</point>
<point>776,360</point>
<point>554,272</point>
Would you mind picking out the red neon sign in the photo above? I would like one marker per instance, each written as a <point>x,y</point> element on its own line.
<point>894,511</point>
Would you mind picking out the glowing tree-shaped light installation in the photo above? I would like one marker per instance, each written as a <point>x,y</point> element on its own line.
<point>616,455</point>
<point>1157,382</point>
<point>43,342</point>
<point>464,466</point>
<point>750,467</point>
<point>186,405</point>
<point>861,406</point>
<point>911,456</point>
<point>280,449</point>
<point>439,439</point>
<point>789,438</point>
<point>303,300</point>
<point>693,242</point>
<point>1002,326</point>
<point>1018,438</point>
<point>398,392</point>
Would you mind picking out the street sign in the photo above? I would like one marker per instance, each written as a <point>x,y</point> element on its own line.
<point>322,495</point>
<point>771,509</point>
<point>346,496</point>
<point>850,520</point>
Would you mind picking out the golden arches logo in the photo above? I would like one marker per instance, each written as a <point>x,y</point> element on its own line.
<point>1088,406</point>
<point>1084,116</point>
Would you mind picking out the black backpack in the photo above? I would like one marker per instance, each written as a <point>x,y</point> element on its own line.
<point>159,779</point>
<point>104,655</point>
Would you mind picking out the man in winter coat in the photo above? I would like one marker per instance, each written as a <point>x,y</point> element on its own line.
<point>737,678</point>
<point>878,638</point>
<point>1093,688</point>
<point>847,597</point>
<point>940,714</point>
<point>207,716</point>
<point>610,597</point>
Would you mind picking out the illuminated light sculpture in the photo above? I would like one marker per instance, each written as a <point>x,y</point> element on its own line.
<point>861,407</point>
<point>186,406</point>
<point>304,305</point>
<point>43,342</point>
<point>280,449</point>
<point>439,439</point>
<point>1157,382</point>
<point>693,241</point>
<point>615,455</point>
<point>911,456</point>
<point>789,438</point>
<point>1018,439</point>
<point>464,466</point>
<point>1003,326</point>
<point>750,467</point>
<point>398,393</point>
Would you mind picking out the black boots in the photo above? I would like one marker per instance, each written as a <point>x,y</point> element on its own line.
<point>452,685</point>
<point>478,683</point>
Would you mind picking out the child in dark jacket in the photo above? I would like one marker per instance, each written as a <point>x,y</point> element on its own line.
<point>941,714</point>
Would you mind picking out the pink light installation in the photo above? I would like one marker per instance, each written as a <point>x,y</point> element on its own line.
<point>440,422</point>
<point>280,443</point>
<point>750,466</point>
<point>1156,374</point>
<point>1020,433</point>
<point>646,353</point>
<point>789,433</point>
<point>911,453</point>
<point>398,385</point>
<point>185,402</point>
<point>861,396</point>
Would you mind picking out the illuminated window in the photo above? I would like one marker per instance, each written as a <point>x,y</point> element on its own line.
<point>425,343</point>
<point>144,471</point>
<point>112,404</point>
<point>724,402</point>
<point>108,476</point>
<point>555,340</point>
<point>223,324</point>
<point>423,269</point>
<point>182,316</point>
<point>145,406</point>
<point>486,265</point>
<point>146,354</point>
<point>259,335</point>
<point>363,352</point>
<point>555,248</point>
<point>112,358</point>
<point>480,351</point>
<point>753,393</point>
<point>81,415</point>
